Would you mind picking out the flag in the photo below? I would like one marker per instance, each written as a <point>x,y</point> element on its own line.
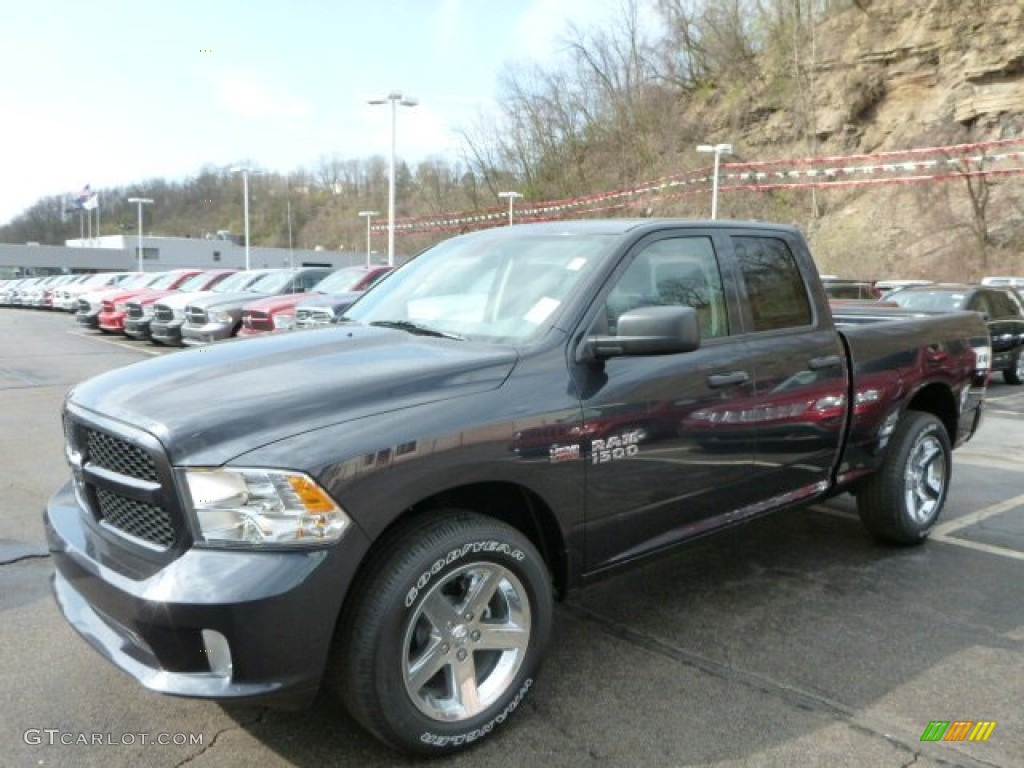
<point>92,201</point>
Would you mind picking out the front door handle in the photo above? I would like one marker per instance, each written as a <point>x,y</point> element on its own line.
<point>717,380</point>
<point>828,361</point>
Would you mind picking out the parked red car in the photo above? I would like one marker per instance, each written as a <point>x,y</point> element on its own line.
<point>277,313</point>
<point>140,308</point>
<point>114,308</point>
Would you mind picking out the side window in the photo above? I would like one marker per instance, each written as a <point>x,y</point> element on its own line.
<point>680,271</point>
<point>775,287</point>
<point>982,302</point>
<point>1002,306</point>
<point>1016,305</point>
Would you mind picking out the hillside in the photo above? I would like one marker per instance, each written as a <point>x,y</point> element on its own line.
<point>891,131</point>
<point>902,75</point>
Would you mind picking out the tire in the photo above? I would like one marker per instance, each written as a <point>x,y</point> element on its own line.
<point>901,502</point>
<point>1015,373</point>
<point>410,662</point>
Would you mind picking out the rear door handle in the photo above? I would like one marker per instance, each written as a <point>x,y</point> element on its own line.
<point>717,380</point>
<point>828,361</point>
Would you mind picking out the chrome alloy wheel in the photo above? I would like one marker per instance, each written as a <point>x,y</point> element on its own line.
<point>466,641</point>
<point>924,478</point>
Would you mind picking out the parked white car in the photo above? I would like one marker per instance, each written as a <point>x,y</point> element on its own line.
<point>66,297</point>
<point>1012,282</point>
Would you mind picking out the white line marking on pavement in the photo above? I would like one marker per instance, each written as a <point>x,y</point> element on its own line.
<point>944,529</point>
<point>116,343</point>
<point>942,532</point>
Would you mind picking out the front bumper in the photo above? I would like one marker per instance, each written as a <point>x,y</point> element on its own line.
<point>271,614</point>
<point>166,333</point>
<point>205,334</point>
<point>137,327</point>
<point>88,321</point>
<point>111,321</point>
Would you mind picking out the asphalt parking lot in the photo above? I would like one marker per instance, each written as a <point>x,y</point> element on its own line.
<point>792,641</point>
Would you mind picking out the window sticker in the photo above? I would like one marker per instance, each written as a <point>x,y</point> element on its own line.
<point>540,311</point>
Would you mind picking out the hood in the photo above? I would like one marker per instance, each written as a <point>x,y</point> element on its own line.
<point>150,296</point>
<point>178,300</point>
<point>210,404</point>
<point>123,294</point>
<point>101,294</point>
<point>277,303</point>
<point>335,301</point>
<point>214,299</point>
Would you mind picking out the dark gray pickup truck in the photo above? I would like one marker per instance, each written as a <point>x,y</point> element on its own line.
<point>389,506</point>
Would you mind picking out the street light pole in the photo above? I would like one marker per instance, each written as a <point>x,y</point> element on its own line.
<point>718,150</point>
<point>245,208</point>
<point>141,201</point>
<point>369,215</point>
<point>511,200</point>
<point>396,98</point>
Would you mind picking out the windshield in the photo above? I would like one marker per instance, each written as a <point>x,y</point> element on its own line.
<point>166,281</point>
<point>144,280</point>
<point>486,286</point>
<point>237,282</point>
<point>933,300</point>
<point>341,281</point>
<point>195,283</point>
<point>273,282</point>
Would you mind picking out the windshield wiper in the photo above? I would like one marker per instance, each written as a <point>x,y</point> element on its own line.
<point>417,329</point>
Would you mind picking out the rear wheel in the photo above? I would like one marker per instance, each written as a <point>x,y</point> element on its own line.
<point>902,501</point>
<point>444,633</point>
<point>1015,373</point>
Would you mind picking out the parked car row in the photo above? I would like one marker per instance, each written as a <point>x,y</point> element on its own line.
<point>193,306</point>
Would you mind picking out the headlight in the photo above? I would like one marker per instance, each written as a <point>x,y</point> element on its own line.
<point>222,317</point>
<point>283,322</point>
<point>122,307</point>
<point>263,506</point>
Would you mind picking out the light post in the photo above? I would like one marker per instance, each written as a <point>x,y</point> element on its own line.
<point>718,150</point>
<point>369,216</point>
<point>396,98</point>
<point>511,201</point>
<point>141,201</point>
<point>245,207</point>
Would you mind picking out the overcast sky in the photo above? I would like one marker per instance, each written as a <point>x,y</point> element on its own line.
<point>112,92</point>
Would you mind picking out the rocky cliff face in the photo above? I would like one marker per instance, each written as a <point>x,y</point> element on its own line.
<point>894,75</point>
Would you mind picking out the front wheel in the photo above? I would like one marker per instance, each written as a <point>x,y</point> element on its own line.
<point>902,500</point>
<point>444,632</point>
<point>1015,374</point>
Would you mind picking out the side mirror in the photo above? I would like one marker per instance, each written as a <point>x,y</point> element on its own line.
<point>659,330</point>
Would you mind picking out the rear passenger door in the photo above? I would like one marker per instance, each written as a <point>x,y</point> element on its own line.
<point>799,404</point>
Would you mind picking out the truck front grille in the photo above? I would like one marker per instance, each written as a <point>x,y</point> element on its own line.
<point>124,480</point>
<point>135,311</point>
<point>308,318</point>
<point>119,456</point>
<point>195,315</point>
<point>163,314</point>
<point>257,321</point>
<point>143,521</point>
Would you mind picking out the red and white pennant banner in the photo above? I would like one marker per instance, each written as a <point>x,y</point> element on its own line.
<point>913,166</point>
